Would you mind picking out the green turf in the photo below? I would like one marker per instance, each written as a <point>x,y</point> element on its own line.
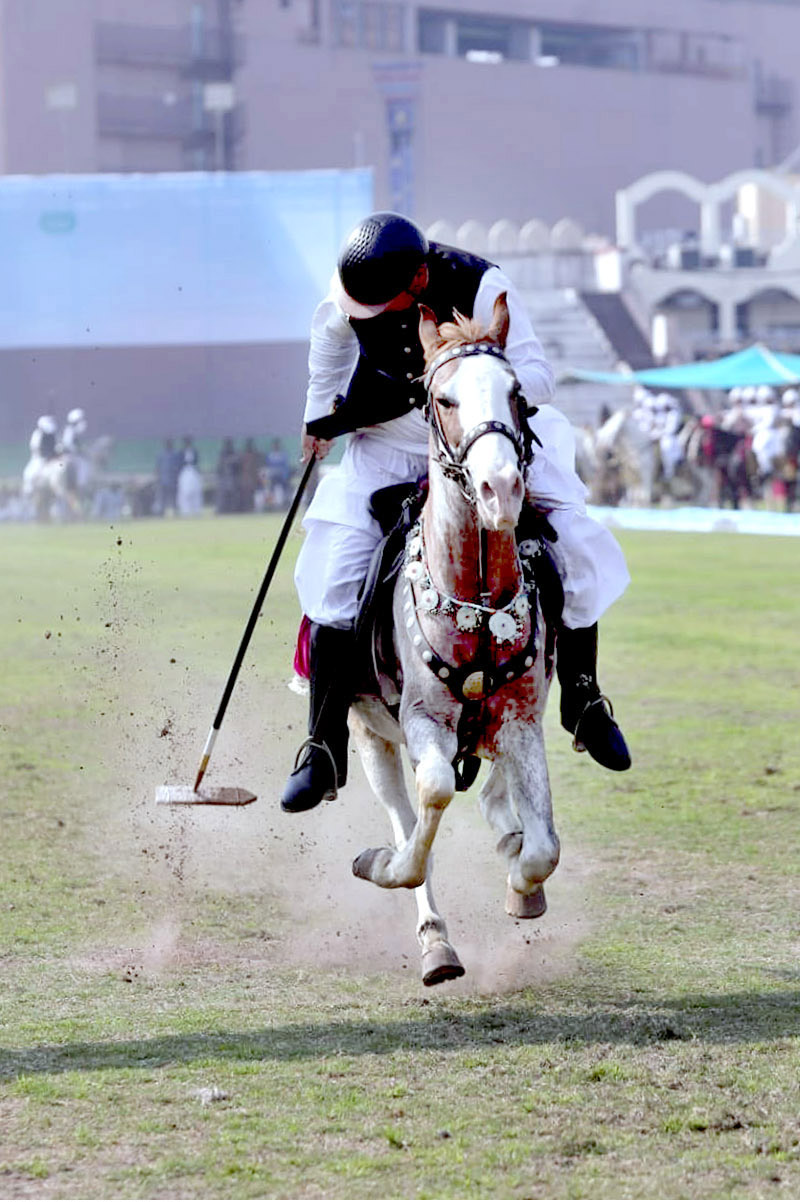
<point>640,1041</point>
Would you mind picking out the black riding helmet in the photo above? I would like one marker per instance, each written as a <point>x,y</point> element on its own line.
<point>380,259</point>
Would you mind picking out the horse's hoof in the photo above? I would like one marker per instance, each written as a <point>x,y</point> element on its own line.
<point>440,963</point>
<point>526,905</point>
<point>364,864</point>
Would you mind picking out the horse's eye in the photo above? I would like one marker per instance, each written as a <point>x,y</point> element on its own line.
<point>446,403</point>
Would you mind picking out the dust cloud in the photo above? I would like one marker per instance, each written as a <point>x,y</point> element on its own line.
<point>298,903</point>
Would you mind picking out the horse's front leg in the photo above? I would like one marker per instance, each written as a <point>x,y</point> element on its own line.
<point>432,749</point>
<point>517,803</point>
<point>383,768</point>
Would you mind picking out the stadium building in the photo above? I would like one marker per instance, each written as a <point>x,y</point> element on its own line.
<point>523,119</point>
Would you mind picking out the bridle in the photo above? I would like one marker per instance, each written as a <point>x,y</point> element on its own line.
<point>451,458</point>
<point>473,681</point>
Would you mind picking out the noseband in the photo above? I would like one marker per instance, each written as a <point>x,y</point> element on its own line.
<point>451,459</point>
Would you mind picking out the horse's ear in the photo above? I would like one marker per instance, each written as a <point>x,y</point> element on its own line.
<point>428,330</point>
<point>498,330</point>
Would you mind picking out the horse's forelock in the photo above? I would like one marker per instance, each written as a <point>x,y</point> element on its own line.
<point>458,332</point>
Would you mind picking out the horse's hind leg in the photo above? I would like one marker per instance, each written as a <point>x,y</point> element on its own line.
<point>496,808</point>
<point>383,769</point>
<point>515,801</point>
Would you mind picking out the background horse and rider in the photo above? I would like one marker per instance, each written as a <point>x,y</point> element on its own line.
<point>737,455</point>
<point>60,487</point>
<point>623,463</point>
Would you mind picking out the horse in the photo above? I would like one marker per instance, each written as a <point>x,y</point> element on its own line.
<point>470,660</point>
<point>52,485</point>
<point>627,462</point>
<point>722,462</point>
<point>61,487</point>
<point>781,479</point>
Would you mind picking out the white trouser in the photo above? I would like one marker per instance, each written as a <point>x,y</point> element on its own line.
<point>671,454</point>
<point>190,491</point>
<point>766,445</point>
<point>33,469</point>
<point>341,535</point>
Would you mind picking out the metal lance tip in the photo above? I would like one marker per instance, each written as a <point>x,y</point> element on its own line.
<point>182,795</point>
<point>201,772</point>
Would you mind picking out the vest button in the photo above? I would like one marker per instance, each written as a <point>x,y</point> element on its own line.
<point>409,375</point>
<point>407,350</point>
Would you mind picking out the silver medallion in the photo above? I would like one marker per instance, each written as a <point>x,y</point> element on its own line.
<point>466,618</point>
<point>429,600</point>
<point>503,627</point>
<point>414,571</point>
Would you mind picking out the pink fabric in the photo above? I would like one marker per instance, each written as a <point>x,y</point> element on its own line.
<point>302,651</point>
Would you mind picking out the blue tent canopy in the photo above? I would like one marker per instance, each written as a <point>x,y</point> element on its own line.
<point>755,365</point>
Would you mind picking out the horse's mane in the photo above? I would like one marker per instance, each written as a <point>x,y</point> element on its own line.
<point>457,333</point>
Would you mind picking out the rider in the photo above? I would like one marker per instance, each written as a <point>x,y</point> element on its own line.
<point>73,432</point>
<point>43,440</point>
<point>365,344</point>
<point>73,444</point>
<point>43,447</point>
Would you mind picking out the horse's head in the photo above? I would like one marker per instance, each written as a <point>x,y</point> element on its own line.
<point>473,399</point>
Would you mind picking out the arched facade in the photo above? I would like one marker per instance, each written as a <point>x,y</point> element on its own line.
<point>772,313</point>
<point>709,197</point>
<point>698,314</point>
<point>730,291</point>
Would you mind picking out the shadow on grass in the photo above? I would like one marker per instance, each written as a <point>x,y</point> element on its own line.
<point>743,1018</point>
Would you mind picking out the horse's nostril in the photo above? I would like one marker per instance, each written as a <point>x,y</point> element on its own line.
<point>486,491</point>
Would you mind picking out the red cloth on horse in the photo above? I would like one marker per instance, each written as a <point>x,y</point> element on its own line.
<point>302,651</point>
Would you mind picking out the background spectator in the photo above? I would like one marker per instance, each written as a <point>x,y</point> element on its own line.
<point>251,463</point>
<point>228,476</point>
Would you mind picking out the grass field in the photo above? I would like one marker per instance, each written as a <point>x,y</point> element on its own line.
<point>207,1004</point>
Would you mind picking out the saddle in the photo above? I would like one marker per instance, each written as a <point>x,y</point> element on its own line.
<point>395,509</point>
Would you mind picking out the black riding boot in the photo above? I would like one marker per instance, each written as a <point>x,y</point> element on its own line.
<point>322,761</point>
<point>585,712</point>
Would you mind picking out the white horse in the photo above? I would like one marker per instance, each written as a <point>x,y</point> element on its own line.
<point>52,486</point>
<point>626,461</point>
<point>469,673</point>
<point>61,487</point>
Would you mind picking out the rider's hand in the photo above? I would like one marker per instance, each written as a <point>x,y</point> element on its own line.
<point>318,447</point>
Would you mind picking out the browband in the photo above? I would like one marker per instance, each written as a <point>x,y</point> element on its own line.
<point>464,351</point>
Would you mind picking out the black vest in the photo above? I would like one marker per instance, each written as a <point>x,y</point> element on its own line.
<point>386,382</point>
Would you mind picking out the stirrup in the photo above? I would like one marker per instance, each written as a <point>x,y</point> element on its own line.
<point>601,698</point>
<point>333,792</point>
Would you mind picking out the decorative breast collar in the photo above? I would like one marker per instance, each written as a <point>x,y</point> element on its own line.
<point>477,680</point>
